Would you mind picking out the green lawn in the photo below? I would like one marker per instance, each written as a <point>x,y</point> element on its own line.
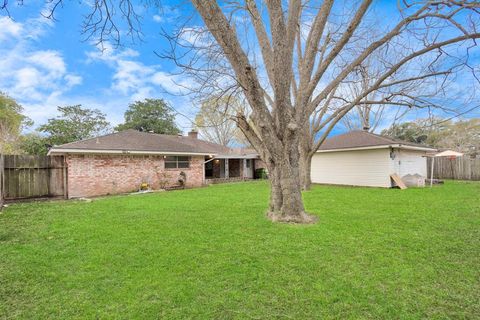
<point>211,253</point>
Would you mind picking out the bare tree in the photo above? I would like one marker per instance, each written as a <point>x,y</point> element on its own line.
<point>215,120</point>
<point>363,99</point>
<point>281,111</point>
<point>363,116</point>
<point>306,53</point>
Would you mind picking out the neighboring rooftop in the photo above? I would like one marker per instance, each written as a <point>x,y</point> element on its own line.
<point>136,141</point>
<point>363,139</point>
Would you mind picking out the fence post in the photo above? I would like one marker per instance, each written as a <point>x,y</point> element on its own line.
<point>470,168</point>
<point>2,184</point>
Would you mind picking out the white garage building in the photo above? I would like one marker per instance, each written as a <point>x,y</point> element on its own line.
<point>360,158</point>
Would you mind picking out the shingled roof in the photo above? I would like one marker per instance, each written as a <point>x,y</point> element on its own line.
<point>132,141</point>
<point>136,141</point>
<point>363,139</point>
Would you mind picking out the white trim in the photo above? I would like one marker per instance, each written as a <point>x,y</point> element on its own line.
<point>417,148</point>
<point>386,146</point>
<point>125,152</point>
<point>248,156</point>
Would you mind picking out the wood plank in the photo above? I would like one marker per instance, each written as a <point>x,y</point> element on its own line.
<point>2,180</point>
<point>398,181</point>
<point>26,176</point>
<point>11,188</point>
<point>462,168</point>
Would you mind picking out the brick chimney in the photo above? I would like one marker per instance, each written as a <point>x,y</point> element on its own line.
<point>193,134</point>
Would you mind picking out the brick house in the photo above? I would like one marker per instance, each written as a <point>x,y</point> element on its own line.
<point>124,161</point>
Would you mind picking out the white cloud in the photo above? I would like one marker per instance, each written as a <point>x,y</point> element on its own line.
<point>9,28</point>
<point>73,80</point>
<point>130,76</point>
<point>134,78</point>
<point>49,60</point>
<point>41,80</point>
<point>32,76</point>
<point>27,77</point>
<point>167,14</point>
<point>196,36</point>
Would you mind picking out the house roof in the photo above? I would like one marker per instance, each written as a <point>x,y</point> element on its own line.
<point>136,142</point>
<point>366,140</point>
<point>132,141</point>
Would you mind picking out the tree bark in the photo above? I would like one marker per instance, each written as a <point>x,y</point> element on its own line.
<point>286,204</point>
<point>305,148</point>
<point>275,190</point>
<point>305,169</point>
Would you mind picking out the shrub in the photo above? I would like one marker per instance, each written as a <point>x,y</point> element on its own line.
<point>261,173</point>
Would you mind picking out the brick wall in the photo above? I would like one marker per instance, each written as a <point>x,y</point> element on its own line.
<point>259,164</point>
<point>94,175</point>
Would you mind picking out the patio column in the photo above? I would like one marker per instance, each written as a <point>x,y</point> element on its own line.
<point>226,169</point>
<point>243,166</point>
<point>244,173</point>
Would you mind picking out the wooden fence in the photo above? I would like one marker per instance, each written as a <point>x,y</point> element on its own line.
<point>1,182</point>
<point>24,176</point>
<point>461,168</point>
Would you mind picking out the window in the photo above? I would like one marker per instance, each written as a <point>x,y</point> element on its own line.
<point>249,161</point>
<point>174,162</point>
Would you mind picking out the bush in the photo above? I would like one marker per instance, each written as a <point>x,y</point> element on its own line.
<point>261,173</point>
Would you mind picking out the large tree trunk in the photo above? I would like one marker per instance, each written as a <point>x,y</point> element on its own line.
<point>275,189</point>
<point>283,164</point>
<point>286,204</point>
<point>276,132</point>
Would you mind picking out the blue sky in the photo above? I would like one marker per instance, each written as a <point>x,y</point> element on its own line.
<point>46,63</point>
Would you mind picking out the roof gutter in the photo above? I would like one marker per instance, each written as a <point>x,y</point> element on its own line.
<point>386,146</point>
<point>54,151</point>
<point>417,148</point>
<point>246,156</point>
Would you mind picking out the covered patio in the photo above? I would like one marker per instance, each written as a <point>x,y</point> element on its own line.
<point>229,168</point>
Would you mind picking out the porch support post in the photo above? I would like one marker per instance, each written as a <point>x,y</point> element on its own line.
<point>203,171</point>
<point>65,177</point>
<point>226,169</point>
<point>244,173</point>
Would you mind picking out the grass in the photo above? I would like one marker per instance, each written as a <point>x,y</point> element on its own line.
<point>210,253</point>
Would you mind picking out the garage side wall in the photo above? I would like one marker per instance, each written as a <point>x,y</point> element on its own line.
<point>95,175</point>
<point>357,168</point>
<point>410,162</point>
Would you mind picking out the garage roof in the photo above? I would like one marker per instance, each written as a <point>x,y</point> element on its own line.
<point>366,140</point>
